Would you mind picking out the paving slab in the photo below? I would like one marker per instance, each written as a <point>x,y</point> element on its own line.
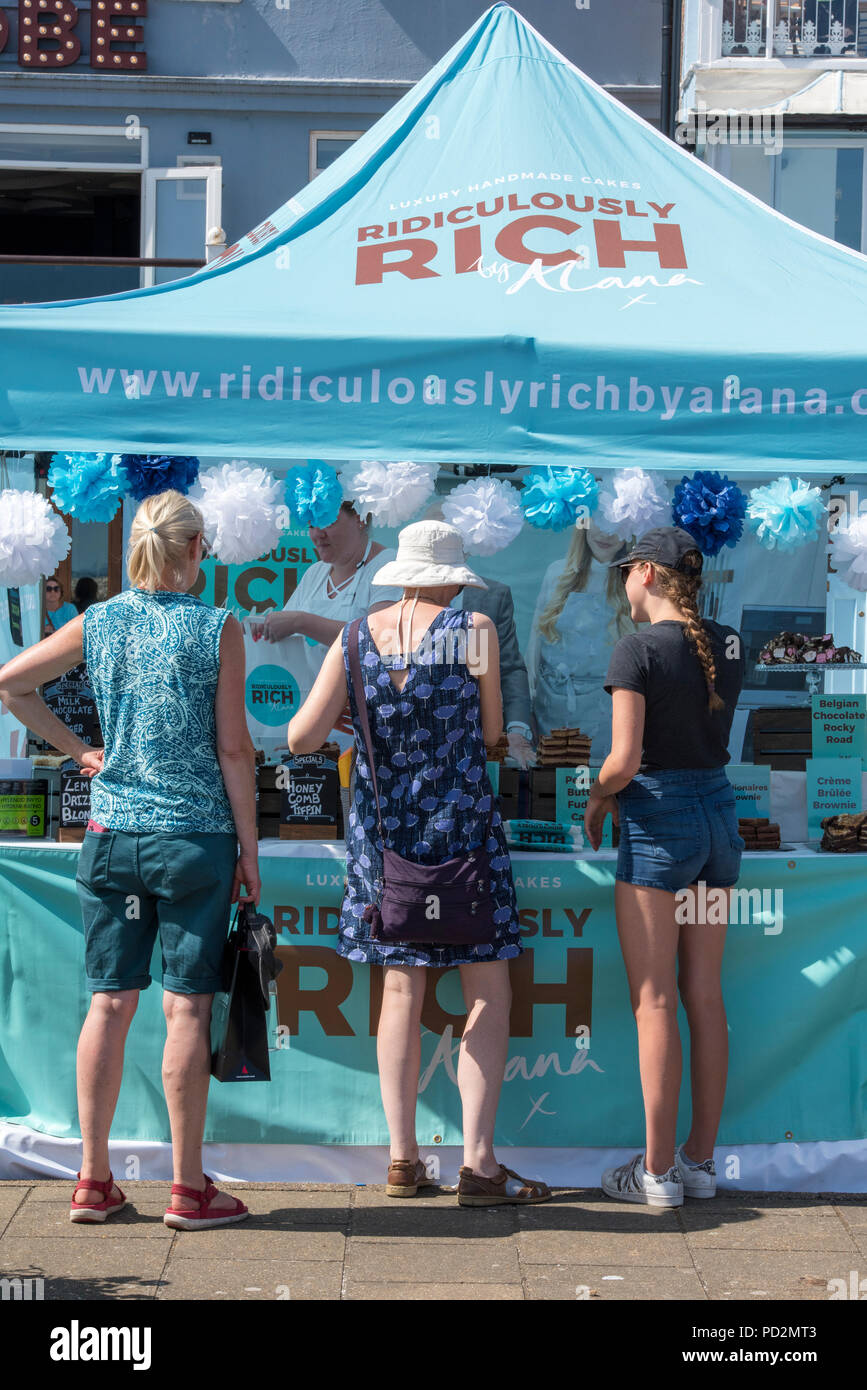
<point>403,1218</point>
<point>434,1293</point>
<point>747,1227</point>
<point>438,1198</point>
<point>60,1191</point>
<point>591,1246</point>
<point>51,1220</point>
<point>256,1239</point>
<point>796,1274</point>
<point>433,1262</point>
<point>243,1280</point>
<point>606,1282</point>
<point>98,1269</point>
<point>854,1213</point>
<point>10,1202</point>
<point>601,1216</point>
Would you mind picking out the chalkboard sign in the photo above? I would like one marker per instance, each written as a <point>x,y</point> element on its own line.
<point>71,698</point>
<point>14,601</point>
<point>310,790</point>
<point>74,798</point>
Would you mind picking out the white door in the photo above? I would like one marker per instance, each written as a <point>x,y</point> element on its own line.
<point>847,608</point>
<point>179,208</point>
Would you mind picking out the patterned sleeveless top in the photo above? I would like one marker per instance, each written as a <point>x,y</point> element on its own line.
<point>434,790</point>
<point>153,661</point>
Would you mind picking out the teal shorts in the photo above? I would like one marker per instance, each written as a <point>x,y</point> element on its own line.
<point>132,886</point>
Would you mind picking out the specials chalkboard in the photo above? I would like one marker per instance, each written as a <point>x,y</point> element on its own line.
<point>71,698</point>
<point>74,798</point>
<point>310,790</point>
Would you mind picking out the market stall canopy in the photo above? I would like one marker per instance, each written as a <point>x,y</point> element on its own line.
<point>509,267</point>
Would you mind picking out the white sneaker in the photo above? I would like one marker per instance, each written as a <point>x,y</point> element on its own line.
<point>632,1183</point>
<point>699,1179</point>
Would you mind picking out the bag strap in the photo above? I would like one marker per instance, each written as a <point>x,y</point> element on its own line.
<point>353,644</point>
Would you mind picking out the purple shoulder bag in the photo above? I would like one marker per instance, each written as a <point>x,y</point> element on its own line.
<point>447,904</point>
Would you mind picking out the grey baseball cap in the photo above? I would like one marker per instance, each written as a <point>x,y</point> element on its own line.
<point>664,545</point>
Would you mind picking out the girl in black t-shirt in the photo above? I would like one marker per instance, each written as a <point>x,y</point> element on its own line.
<point>674,687</point>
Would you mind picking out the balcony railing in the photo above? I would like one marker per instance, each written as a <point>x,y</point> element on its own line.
<point>794,29</point>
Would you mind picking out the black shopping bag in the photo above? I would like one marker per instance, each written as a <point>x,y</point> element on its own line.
<point>239,1016</point>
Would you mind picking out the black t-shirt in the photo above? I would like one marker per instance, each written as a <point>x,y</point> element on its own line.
<point>663,665</point>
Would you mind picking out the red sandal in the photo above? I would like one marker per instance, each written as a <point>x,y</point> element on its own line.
<point>93,1213</point>
<point>203,1218</point>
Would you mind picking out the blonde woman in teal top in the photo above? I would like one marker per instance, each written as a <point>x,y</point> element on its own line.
<point>173,830</point>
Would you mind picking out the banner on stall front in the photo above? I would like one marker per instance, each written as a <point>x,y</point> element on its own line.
<point>833,789</point>
<point>793,978</point>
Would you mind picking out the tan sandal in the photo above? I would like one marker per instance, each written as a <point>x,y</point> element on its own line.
<point>405,1178</point>
<point>509,1188</point>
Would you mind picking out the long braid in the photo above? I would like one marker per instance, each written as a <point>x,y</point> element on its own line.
<point>683,589</point>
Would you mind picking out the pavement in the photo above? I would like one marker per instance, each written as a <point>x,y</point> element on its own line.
<point>317,1241</point>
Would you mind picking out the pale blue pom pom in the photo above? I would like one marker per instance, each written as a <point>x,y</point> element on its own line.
<point>785,513</point>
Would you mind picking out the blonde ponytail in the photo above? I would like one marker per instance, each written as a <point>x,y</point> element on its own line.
<point>162,529</point>
<point>573,579</point>
<point>682,589</point>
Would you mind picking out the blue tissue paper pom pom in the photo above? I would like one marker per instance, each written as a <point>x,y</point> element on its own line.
<point>554,497</point>
<point>147,474</point>
<point>314,493</point>
<point>710,508</point>
<point>86,486</point>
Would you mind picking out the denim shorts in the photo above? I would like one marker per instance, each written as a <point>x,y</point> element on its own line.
<point>132,886</point>
<point>678,827</point>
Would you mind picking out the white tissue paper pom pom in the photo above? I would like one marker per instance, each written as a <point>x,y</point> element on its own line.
<point>850,548</point>
<point>487,512</point>
<point>241,511</point>
<point>392,492</point>
<point>33,538</point>
<point>636,505</point>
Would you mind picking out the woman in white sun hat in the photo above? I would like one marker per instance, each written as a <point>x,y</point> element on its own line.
<point>431,685</point>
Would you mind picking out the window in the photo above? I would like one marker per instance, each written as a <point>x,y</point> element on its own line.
<point>328,145</point>
<point>70,190</point>
<point>794,29</point>
<point>74,147</point>
<point>821,183</point>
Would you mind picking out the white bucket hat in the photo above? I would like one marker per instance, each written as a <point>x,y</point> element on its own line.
<point>429,553</point>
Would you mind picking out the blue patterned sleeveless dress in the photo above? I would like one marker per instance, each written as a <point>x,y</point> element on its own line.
<point>434,791</point>
<point>154,660</point>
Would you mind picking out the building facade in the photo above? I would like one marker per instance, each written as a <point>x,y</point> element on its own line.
<point>773,94</point>
<point>159,128</point>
